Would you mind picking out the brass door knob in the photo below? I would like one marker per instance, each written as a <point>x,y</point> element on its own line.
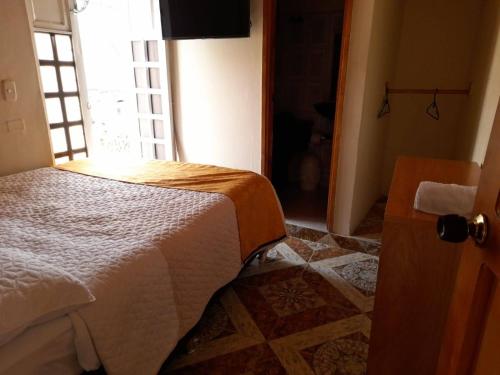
<point>455,228</point>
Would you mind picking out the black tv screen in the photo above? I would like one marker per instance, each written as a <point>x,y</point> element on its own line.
<point>199,19</point>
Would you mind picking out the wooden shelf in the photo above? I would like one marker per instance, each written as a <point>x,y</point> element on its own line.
<point>416,273</point>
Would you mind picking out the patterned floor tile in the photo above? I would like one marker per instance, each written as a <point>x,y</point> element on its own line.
<point>372,225</point>
<point>302,307</point>
<point>312,251</point>
<point>214,324</point>
<point>362,275</point>
<point>280,256</point>
<point>304,233</point>
<point>222,330</point>
<point>285,301</point>
<point>352,244</point>
<point>343,356</point>
<point>255,360</point>
<point>353,275</point>
<point>291,296</point>
<point>301,247</point>
<point>336,348</point>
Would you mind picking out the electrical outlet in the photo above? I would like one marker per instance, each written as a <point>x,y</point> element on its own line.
<point>16,125</point>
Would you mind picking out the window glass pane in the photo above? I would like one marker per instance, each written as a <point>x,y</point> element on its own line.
<point>152,50</point>
<point>141,78</point>
<point>68,78</point>
<point>154,77</point>
<point>156,103</point>
<point>79,156</point>
<point>73,108</point>
<point>43,46</point>
<point>145,128</point>
<point>58,140</point>
<point>54,111</point>
<point>147,150</point>
<point>61,160</point>
<point>160,151</point>
<point>143,103</point>
<point>158,128</point>
<point>49,79</point>
<point>77,137</point>
<point>138,51</point>
<point>64,51</point>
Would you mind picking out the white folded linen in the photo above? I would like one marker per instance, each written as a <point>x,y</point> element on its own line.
<point>443,199</point>
<point>33,291</point>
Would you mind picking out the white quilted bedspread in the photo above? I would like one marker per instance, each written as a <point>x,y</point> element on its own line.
<point>151,256</point>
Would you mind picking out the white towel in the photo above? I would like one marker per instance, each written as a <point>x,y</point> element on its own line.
<point>444,199</point>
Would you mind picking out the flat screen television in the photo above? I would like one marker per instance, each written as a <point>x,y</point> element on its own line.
<point>200,19</point>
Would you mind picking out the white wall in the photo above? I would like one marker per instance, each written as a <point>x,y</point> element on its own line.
<point>479,112</point>
<point>373,45</point>
<point>217,100</point>
<point>436,50</point>
<point>30,149</point>
<point>445,44</point>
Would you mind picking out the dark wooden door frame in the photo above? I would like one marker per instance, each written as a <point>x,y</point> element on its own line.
<point>268,71</point>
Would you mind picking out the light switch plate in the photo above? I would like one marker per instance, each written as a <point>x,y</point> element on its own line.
<point>9,90</point>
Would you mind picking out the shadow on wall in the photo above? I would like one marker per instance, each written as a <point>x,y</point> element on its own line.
<point>479,112</point>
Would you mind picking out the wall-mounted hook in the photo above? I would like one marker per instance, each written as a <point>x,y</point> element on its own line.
<point>385,108</point>
<point>433,109</point>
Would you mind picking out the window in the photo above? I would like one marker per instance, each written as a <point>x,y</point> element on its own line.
<point>62,98</point>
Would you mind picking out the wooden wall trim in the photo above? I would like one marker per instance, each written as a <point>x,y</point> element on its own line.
<point>268,68</point>
<point>339,109</point>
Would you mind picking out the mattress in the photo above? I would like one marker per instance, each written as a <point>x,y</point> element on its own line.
<point>151,256</point>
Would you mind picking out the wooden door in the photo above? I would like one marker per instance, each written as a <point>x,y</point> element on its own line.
<point>124,68</point>
<point>472,339</point>
<point>151,72</point>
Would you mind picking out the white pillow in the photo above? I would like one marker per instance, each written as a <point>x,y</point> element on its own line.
<point>32,291</point>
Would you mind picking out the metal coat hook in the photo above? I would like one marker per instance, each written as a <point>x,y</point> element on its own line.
<point>385,107</point>
<point>433,109</point>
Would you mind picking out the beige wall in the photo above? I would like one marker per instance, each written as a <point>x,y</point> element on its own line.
<point>445,44</point>
<point>479,111</point>
<point>436,49</point>
<point>217,98</point>
<point>373,46</point>
<point>29,149</point>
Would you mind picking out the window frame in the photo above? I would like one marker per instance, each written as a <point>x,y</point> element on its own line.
<point>61,95</point>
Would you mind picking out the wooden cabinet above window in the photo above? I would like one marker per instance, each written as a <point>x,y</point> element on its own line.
<point>50,15</point>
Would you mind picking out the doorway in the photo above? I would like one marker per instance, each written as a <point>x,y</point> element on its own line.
<point>305,53</point>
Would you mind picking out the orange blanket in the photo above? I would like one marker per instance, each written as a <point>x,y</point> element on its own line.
<point>259,215</point>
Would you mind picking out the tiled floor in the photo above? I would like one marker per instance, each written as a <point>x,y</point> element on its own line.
<point>308,210</point>
<point>302,309</point>
<point>371,226</point>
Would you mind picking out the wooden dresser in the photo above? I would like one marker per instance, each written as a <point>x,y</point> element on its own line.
<point>416,273</point>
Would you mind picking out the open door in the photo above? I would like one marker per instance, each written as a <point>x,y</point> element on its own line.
<point>269,102</point>
<point>126,84</point>
<point>472,338</point>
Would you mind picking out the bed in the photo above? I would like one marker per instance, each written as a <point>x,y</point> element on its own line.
<point>146,245</point>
